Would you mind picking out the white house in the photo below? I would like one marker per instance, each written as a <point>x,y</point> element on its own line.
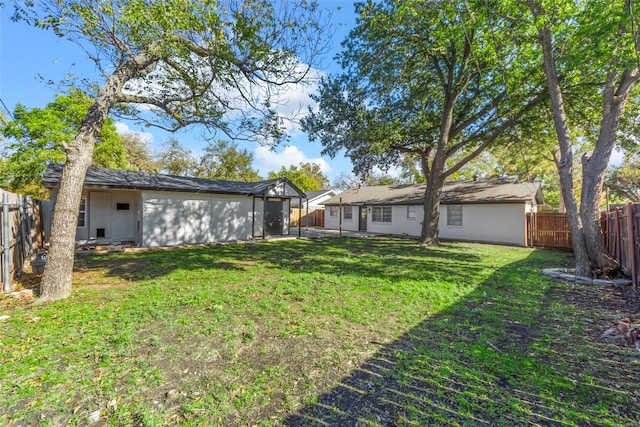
<point>312,211</point>
<point>162,210</point>
<point>484,210</point>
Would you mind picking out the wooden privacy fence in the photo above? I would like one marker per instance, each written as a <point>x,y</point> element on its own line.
<point>548,230</point>
<point>21,234</point>
<point>620,226</point>
<point>314,218</point>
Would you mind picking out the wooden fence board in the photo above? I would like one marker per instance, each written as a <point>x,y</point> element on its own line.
<point>550,230</point>
<point>620,226</point>
<point>314,218</point>
<point>25,232</point>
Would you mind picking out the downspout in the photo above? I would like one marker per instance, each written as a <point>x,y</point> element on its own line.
<point>5,242</point>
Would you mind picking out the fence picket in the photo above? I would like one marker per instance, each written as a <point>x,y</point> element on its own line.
<point>620,226</point>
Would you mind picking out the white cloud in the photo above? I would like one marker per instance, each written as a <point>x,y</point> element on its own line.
<point>123,129</point>
<point>266,160</point>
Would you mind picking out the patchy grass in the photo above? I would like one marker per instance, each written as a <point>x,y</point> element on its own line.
<point>320,332</point>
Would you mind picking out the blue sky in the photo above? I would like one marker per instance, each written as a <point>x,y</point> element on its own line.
<point>30,58</point>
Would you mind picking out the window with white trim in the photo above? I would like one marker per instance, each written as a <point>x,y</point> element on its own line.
<point>333,211</point>
<point>411,212</point>
<point>82,212</point>
<point>454,215</point>
<point>347,212</point>
<point>381,214</point>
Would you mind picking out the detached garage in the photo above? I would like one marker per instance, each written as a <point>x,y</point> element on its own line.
<point>148,209</point>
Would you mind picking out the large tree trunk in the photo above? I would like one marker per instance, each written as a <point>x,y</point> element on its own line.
<point>565,163</point>
<point>56,281</point>
<point>615,96</point>
<point>58,271</point>
<point>432,195</point>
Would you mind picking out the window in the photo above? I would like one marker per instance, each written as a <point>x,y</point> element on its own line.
<point>333,211</point>
<point>411,212</point>
<point>82,214</point>
<point>454,215</point>
<point>122,206</point>
<point>381,214</point>
<point>347,213</point>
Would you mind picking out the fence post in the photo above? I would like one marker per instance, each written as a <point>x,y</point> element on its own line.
<point>30,223</point>
<point>630,243</point>
<point>22,226</point>
<point>6,266</point>
<point>532,218</point>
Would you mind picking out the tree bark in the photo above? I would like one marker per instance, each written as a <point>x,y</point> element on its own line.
<point>615,96</point>
<point>58,271</point>
<point>432,195</point>
<point>565,163</point>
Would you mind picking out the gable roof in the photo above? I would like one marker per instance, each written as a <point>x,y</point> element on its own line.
<point>316,197</point>
<point>498,190</point>
<point>318,193</point>
<point>134,180</point>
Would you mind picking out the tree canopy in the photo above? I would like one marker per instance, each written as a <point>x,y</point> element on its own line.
<point>38,136</point>
<point>224,160</point>
<point>434,81</point>
<point>307,177</point>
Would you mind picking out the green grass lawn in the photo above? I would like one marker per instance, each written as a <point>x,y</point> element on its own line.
<point>320,332</point>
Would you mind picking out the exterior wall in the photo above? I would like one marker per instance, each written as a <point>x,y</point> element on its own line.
<point>333,222</point>
<point>101,212</point>
<point>494,223</point>
<point>185,218</point>
<point>499,223</point>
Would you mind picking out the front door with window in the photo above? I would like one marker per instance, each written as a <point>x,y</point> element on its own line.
<point>363,218</point>
<point>273,217</point>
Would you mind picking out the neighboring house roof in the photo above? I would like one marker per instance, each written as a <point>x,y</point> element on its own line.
<point>133,180</point>
<point>498,190</point>
<point>315,196</point>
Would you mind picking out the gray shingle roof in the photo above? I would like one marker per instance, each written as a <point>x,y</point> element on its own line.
<point>133,180</point>
<point>499,190</point>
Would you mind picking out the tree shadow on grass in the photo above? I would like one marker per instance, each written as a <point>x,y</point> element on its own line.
<point>520,350</point>
<point>399,260</point>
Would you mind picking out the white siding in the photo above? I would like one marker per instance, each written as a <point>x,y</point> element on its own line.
<point>494,223</point>
<point>182,218</point>
<point>334,222</point>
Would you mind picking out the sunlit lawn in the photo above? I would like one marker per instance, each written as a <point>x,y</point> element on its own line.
<point>318,332</point>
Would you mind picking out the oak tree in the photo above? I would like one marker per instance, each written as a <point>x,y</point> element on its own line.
<point>433,80</point>
<point>218,64</point>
